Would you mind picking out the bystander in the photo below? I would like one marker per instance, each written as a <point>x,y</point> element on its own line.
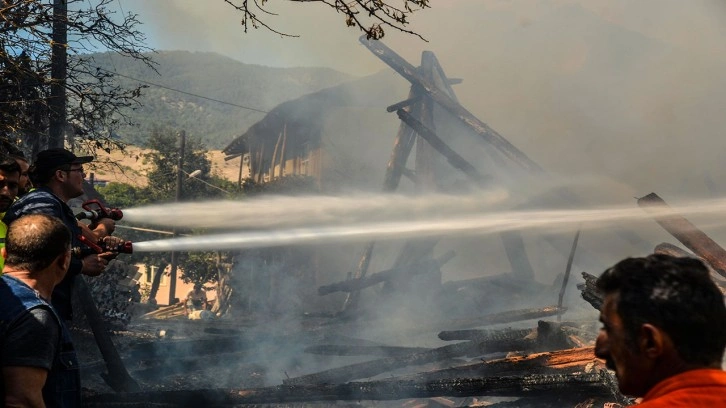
<point>664,331</point>
<point>39,364</point>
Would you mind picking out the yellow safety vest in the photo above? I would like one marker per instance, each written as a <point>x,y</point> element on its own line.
<point>3,233</point>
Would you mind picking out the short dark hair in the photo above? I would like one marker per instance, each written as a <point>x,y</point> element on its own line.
<point>19,155</point>
<point>674,294</point>
<point>34,241</point>
<point>9,165</point>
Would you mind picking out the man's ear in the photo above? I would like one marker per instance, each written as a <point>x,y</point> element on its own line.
<point>60,175</point>
<point>4,252</point>
<point>63,261</point>
<point>653,340</point>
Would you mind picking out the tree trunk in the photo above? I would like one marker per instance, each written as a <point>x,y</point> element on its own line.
<point>155,283</point>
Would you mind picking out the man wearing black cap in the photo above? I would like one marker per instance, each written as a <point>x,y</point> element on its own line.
<point>58,175</point>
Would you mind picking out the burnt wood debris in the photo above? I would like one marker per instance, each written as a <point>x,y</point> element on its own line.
<point>517,363</point>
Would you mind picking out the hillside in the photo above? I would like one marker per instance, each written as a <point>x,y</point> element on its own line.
<point>212,76</point>
<point>129,168</point>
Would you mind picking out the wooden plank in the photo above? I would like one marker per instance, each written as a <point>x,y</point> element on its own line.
<point>435,141</point>
<point>685,232</point>
<point>362,283</point>
<point>574,384</point>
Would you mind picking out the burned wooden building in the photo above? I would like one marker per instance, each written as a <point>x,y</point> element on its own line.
<point>366,354</point>
<point>312,136</point>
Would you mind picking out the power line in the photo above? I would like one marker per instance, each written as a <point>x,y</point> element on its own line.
<point>182,92</point>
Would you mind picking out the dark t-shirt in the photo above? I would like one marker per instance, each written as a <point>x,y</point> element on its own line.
<point>43,201</point>
<point>31,340</point>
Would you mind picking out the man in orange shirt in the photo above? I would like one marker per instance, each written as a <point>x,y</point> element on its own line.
<point>664,331</point>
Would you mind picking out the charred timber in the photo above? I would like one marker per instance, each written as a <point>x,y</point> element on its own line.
<point>553,362</point>
<point>157,350</point>
<point>570,360</point>
<point>411,74</point>
<point>672,250</point>
<point>362,283</point>
<point>590,292</point>
<point>372,368</point>
<point>547,337</point>
<point>435,141</point>
<point>410,174</point>
<point>351,350</point>
<point>503,317</point>
<point>484,335</point>
<point>513,243</point>
<point>403,104</point>
<point>585,384</point>
<point>375,367</point>
<point>507,282</point>
<point>685,232</point>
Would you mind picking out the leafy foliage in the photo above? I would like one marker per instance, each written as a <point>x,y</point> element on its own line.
<point>95,100</point>
<point>164,159</point>
<point>197,267</point>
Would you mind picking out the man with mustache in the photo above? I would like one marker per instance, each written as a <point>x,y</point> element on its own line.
<point>24,186</point>
<point>664,331</point>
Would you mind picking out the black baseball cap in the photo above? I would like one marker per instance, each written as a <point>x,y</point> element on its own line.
<point>51,159</point>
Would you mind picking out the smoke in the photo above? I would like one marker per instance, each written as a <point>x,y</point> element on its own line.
<point>627,90</point>
<point>623,97</point>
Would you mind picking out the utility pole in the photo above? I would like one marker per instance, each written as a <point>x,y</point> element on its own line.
<point>58,73</point>
<point>179,185</point>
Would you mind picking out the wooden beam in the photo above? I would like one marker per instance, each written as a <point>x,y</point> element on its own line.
<point>590,292</point>
<point>685,232</point>
<point>411,74</point>
<point>572,384</point>
<point>435,141</point>
<point>468,348</point>
<point>352,285</point>
<point>534,363</point>
<point>403,104</point>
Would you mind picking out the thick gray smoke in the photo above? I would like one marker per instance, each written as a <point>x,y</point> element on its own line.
<point>618,98</point>
<point>623,89</point>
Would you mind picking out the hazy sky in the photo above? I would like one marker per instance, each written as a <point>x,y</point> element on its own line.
<point>632,90</point>
<point>212,25</point>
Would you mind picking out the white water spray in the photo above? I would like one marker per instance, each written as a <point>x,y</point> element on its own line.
<point>315,219</point>
<point>292,211</point>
